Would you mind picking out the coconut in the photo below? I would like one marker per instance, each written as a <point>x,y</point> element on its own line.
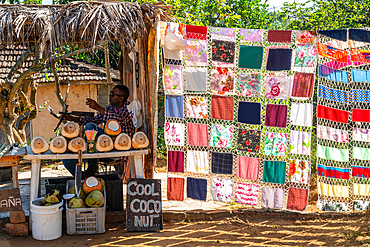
<point>68,196</point>
<point>39,145</point>
<point>70,130</point>
<point>76,144</point>
<point>53,196</point>
<point>112,127</point>
<point>95,199</point>
<point>122,142</point>
<point>83,194</point>
<point>139,140</point>
<point>76,202</point>
<point>58,145</point>
<point>102,183</point>
<point>91,184</point>
<point>104,143</point>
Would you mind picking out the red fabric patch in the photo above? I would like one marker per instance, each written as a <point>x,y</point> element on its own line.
<point>197,134</point>
<point>303,85</point>
<point>175,189</point>
<point>222,107</point>
<point>248,167</point>
<point>297,199</point>
<point>332,114</point>
<point>175,161</point>
<point>196,32</point>
<point>361,115</point>
<point>332,53</point>
<point>279,36</point>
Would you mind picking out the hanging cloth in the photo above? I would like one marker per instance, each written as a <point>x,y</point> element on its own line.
<point>135,107</point>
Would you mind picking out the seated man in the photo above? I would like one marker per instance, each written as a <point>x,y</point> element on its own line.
<point>116,110</point>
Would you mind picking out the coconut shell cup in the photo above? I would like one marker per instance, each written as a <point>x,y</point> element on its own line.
<point>140,140</point>
<point>112,128</point>
<point>58,145</point>
<point>122,142</point>
<point>76,144</point>
<point>39,145</point>
<point>70,130</point>
<point>104,143</point>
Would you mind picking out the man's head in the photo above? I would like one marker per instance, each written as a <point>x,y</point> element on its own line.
<point>119,95</point>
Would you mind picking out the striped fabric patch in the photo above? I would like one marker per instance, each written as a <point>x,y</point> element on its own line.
<point>246,194</point>
<point>332,172</point>
<point>332,74</point>
<point>333,94</point>
<point>361,172</point>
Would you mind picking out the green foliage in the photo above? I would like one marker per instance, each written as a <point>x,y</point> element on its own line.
<point>161,145</point>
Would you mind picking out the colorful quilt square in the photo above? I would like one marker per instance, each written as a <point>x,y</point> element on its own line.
<point>196,188</point>
<point>247,194</point>
<point>196,79</point>
<point>222,107</point>
<point>175,161</point>
<point>279,59</point>
<point>299,171</point>
<point>197,161</point>
<point>174,134</point>
<point>222,80</point>
<point>274,172</point>
<point>279,36</point>
<point>175,189</point>
<point>277,87</point>
<point>297,199</point>
<point>306,55</point>
<point>197,134</point>
<point>250,57</point>
<point>249,84</point>
<point>197,107</point>
<point>303,84</point>
<point>272,198</point>
<point>222,136</point>
<point>249,140</point>
<point>222,190</point>
<point>300,142</point>
<point>275,144</point>
<point>174,106</point>
<point>276,116</point>
<point>249,113</point>
<point>196,50</point>
<point>223,51</point>
<point>173,78</point>
<point>222,163</point>
<point>248,167</point>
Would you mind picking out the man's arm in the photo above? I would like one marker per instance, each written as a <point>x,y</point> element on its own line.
<point>95,106</point>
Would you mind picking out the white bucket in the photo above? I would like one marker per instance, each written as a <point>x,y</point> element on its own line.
<point>46,220</point>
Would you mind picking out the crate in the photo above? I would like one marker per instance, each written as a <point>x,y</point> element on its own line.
<point>85,220</point>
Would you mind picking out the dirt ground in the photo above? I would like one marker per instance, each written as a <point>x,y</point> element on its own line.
<point>237,231</point>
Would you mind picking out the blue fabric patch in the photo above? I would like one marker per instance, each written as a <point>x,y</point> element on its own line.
<point>333,94</point>
<point>196,188</point>
<point>279,59</point>
<point>360,75</point>
<point>249,113</point>
<point>333,74</point>
<point>360,95</point>
<point>359,35</point>
<point>340,34</point>
<point>174,106</point>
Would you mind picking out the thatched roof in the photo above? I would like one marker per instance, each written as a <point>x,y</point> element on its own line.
<point>85,23</point>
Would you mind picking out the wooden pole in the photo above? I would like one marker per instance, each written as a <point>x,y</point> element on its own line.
<point>123,55</point>
<point>145,96</point>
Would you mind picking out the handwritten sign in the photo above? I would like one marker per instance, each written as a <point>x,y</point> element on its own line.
<point>10,200</point>
<point>144,205</point>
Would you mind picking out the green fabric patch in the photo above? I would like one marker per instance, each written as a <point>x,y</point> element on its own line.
<point>250,57</point>
<point>329,153</point>
<point>361,153</point>
<point>274,172</point>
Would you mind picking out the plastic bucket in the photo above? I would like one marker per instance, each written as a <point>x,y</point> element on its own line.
<point>46,220</point>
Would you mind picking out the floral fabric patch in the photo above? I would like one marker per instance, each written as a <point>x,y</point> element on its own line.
<point>251,35</point>
<point>222,136</point>
<point>275,144</point>
<point>304,37</point>
<point>299,171</point>
<point>249,140</point>
<point>222,189</point>
<point>277,87</point>
<point>306,55</point>
<point>300,142</point>
<point>197,161</point>
<point>332,134</point>
<point>222,80</point>
<point>223,51</point>
<point>196,107</point>
<point>196,50</point>
<point>249,84</point>
<point>173,78</point>
<point>174,134</point>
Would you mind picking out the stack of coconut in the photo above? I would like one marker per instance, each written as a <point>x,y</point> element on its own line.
<point>113,138</point>
<point>91,194</point>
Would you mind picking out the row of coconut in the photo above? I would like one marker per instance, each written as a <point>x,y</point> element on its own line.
<point>69,139</point>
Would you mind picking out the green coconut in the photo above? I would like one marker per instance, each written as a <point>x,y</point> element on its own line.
<point>53,196</point>
<point>95,199</point>
<point>76,202</point>
<point>102,185</point>
<point>72,190</point>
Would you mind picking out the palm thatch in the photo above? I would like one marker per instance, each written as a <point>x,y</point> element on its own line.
<point>85,23</point>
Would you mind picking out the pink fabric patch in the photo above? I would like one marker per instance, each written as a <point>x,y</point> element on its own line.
<point>248,168</point>
<point>198,134</point>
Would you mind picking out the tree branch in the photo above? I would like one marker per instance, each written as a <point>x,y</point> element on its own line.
<point>19,63</point>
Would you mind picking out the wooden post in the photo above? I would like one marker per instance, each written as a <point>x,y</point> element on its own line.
<point>13,162</point>
<point>146,103</point>
<point>123,55</point>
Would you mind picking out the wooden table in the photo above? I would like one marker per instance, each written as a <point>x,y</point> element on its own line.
<point>135,158</point>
